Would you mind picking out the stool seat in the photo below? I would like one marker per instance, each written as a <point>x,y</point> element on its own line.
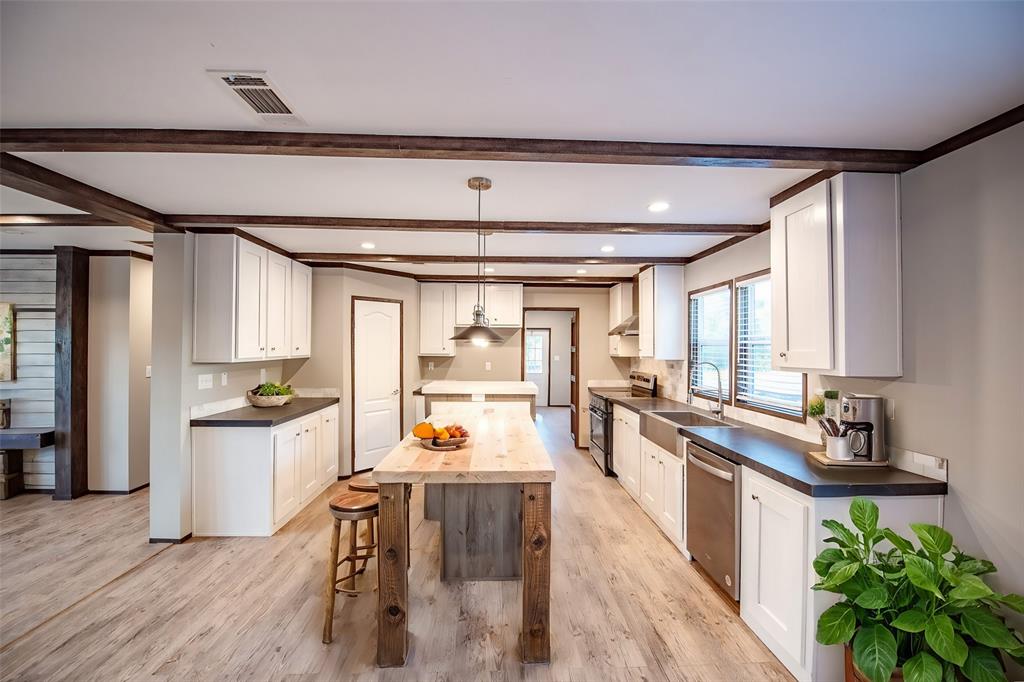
<point>354,501</point>
<point>363,482</point>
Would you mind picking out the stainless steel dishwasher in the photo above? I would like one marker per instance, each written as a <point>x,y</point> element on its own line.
<point>713,516</point>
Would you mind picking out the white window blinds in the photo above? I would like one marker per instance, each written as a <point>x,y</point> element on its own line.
<point>757,384</point>
<point>709,340</point>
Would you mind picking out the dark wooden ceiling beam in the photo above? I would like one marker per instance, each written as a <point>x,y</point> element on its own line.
<point>153,140</point>
<point>55,220</point>
<point>310,257</point>
<point>982,130</point>
<point>25,176</point>
<point>423,225</point>
<point>537,279</point>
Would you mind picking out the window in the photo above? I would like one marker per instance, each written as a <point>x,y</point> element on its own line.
<point>757,384</point>
<point>534,353</point>
<point>710,321</point>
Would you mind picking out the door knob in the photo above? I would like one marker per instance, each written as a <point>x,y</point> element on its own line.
<point>395,392</point>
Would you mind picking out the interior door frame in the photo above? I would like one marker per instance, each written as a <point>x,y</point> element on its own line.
<point>548,351</point>
<point>352,369</point>
<point>574,369</point>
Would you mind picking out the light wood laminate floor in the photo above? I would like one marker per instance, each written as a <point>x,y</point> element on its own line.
<point>625,606</point>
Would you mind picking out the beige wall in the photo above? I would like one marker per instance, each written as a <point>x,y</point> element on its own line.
<point>470,362</point>
<point>140,341</point>
<point>330,363</point>
<point>561,362</point>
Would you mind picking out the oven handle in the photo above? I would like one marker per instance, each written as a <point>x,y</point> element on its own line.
<point>724,475</point>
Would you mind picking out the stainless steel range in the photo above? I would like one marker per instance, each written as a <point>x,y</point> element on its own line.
<point>641,385</point>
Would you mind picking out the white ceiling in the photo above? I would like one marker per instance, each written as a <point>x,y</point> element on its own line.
<point>13,201</point>
<point>100,238</point>
<point>886,74</point>
<point>515,270</point>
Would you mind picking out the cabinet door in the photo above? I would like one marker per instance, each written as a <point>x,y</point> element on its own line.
<point>250,301</point>
<point>646,341</point>
<point>309,444</point>
<point>504,305</point>
<point>437,319</point>
<point>632,447</point>
<point>279,275</point>
<point>774,564</point>
<point>801,259</point>
<point>650,478</point>
<point>613,345</point>
<point>286,481</point>
<point>672,472</point>
<point>301,312</point>
<point>327,454</point>
<point>465,299</point>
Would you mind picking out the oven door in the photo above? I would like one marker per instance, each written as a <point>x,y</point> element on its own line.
<point>598,437</point>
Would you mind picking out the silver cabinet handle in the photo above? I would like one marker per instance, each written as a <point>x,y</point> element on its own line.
<point>782,354</point>
<point>754,497</point>
<point>395,392</point>
<point>724,475</point>
<point>273,348</point>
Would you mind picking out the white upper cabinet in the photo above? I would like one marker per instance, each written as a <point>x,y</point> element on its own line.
<point>835,260</point>
<point>437,319</point>
<point>662,313</point>
<point>279,275</point>
<point>503,307</point>
<point>301,310</point>
<point>248,303</point>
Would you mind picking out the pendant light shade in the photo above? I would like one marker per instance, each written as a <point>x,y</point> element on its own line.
<point>480,332</point>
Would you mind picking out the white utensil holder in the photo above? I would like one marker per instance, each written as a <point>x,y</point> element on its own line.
<point>838,447</point>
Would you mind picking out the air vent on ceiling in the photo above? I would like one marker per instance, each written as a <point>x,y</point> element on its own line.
<point>257,92</point>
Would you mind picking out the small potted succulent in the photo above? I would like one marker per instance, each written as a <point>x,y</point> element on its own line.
<point>921,614</point>
<point>270,394</point>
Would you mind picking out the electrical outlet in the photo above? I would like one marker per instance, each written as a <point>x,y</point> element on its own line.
<point>892,410</point>
<point>263,375</point>
<point>430,366</point>
<point>558,358</point>
<point>487,366</point>
<point>205,381</point>
<point>223,378</point>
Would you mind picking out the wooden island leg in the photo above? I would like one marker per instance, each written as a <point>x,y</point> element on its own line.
<point>393,576</point>
<point>536,637</point>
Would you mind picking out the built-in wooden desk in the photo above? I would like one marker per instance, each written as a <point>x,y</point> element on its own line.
<point>504,448</point>
<point>12,442</point>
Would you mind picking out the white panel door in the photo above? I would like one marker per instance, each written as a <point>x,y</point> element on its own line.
<point>377,398</point>
<point>279,275</point>
<point>801,259</point>
<point>301,313</point>
<point>286,470</point>
<point>309,477</point>
<point>774,564</point>
<point>250,301</point>
<point>646,342</point>
<point>327,455</point>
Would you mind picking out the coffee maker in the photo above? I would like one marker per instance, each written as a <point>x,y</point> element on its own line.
<point>862,417</point>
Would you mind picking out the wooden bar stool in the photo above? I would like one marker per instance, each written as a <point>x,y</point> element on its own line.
<point>352,506</point>
<point>363,482</point>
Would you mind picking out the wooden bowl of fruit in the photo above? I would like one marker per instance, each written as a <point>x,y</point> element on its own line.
<point>449,437</point>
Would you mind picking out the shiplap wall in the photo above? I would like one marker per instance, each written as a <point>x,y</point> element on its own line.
<point>29,281</point>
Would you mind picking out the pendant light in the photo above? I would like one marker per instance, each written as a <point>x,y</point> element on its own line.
<point>480,332</point>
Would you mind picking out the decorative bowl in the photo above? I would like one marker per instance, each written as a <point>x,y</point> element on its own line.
<point>268,400</point>
<point>448,445</point>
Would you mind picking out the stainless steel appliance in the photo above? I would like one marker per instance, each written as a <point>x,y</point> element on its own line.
<point>641,385</point>
<point>713,516</point>
<point>863,419</point>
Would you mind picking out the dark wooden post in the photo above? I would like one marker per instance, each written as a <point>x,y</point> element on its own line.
<point>71,457</point>
<point>536,635</point>
<point>393,576</point>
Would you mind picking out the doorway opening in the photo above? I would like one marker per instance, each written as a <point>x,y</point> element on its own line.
<point>550,359</point>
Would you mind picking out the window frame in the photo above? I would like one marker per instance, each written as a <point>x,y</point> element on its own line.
<point>802,417</point>
<point>727,380</point>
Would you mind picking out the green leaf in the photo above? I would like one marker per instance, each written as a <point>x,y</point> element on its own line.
<point>1014,601</point>
<point>976,566</point>
<point>983,666</point>
<point>950,572</point>
<point>840,572</point>
<point>944,641</point>
<point>898,541</point>
<point>842,533</point>
<point>935,540</point>
<point>910,621</point>
<point>922,573</point>
<point>922,668</point>
<point>825,560</point>
<point>874,652</point>
<point>970,587</point>
<point>873,598</point>
<point>837,624</point>
<point>948,672</point>
<point>864,514</point>
<point>986,628</point>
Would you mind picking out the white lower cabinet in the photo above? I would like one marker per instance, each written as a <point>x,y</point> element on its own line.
<point>661,490</point>
<point>780,534</point>
<point>250,481</point>
<point>626,455</point>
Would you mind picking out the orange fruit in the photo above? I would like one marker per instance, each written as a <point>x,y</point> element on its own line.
<point>423,430</point>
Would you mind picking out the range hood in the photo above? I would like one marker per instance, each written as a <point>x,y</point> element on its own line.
<point>631,325</point>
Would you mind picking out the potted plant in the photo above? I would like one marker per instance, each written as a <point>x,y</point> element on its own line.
<point>921,612</point>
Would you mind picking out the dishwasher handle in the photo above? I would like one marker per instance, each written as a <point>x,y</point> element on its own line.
<point>704,466</point>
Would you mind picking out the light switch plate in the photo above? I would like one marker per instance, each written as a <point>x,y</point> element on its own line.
<point>149,371</point>
<point>430,366</point>
<point>223,378</point>
<point>263,375</point>
<point>558,358</point>
<point>205,381</point>
<point>487,366</point>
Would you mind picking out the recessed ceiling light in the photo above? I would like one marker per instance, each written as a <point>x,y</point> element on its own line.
<point>607,248</point>
<point>657,206</point>
<point>488,269</point>
<point>581,271</point>
<point>368,245</point>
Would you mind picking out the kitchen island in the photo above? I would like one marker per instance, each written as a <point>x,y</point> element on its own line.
<point>435,392</point>
<point>504,450</point>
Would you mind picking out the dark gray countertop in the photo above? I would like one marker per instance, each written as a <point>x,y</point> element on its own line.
<point>262,417</point>
<point>784,459</point>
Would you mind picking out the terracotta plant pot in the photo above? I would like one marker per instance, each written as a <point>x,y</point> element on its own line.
<point>853,674</point>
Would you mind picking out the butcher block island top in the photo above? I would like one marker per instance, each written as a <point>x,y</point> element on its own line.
<point>503,447</point>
